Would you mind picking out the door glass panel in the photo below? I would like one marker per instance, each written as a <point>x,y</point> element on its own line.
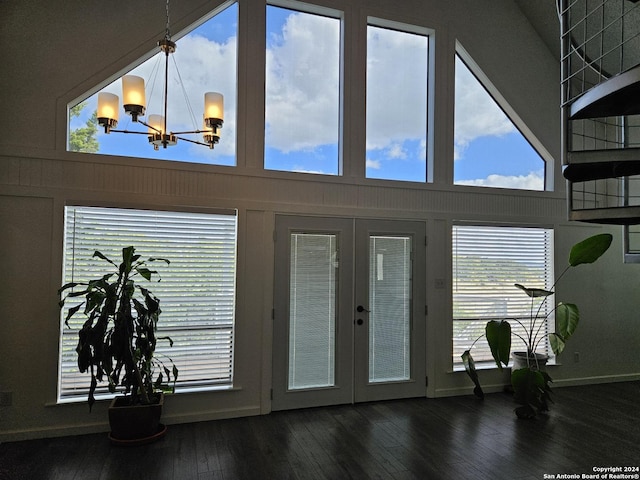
<point>312,311</point>
<point>390,305</point>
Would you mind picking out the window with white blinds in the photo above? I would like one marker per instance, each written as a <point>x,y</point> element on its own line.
<point>196,291</point>
<point>487,262</point>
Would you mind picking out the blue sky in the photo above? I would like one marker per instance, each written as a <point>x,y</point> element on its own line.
<point>302,105</point>
<point>489,149</point>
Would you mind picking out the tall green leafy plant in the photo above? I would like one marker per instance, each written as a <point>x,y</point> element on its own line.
<point>530,384</point>
<point>117,341</point>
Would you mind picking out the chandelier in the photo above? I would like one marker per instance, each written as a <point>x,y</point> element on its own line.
<point>134,104</point>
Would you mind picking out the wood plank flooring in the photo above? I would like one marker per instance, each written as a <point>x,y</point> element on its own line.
<point>449,438</point>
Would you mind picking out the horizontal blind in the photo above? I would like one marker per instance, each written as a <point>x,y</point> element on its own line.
<point>487,262</point>
<point>196,291</point>
<point>390,302</point>
<point>313,297</point>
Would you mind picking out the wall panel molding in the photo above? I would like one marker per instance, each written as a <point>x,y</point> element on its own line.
<point>55,177</point>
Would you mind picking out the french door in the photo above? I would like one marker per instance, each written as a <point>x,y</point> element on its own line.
<point>349,316</point>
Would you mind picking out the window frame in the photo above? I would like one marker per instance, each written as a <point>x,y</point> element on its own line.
<point>317,10</point>
<point>429,33</point>
<point>502,103</point>
<point>139,130</point>
<point>481,351</point>
<point>79,392</point>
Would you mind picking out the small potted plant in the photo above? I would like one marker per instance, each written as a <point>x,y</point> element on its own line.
<point>529,381</point>
<point>117,344</point>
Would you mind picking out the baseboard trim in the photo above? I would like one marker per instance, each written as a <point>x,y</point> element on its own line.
<point>50,432</point>
<point>575,382</point>
<point>103,426</point>
<point>460,391</point>
<point>557,383</point>
<point>210,416</point>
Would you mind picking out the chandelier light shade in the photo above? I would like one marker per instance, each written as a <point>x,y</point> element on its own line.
<point>156,124</point>
<point>156,132</point>
<point>133,98</point>
<point>134,104</point>
<point>108,106</point>
<point>213,117</point>
<point>213,109</point>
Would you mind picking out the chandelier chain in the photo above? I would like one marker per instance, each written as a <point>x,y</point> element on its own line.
<point>167,34</point>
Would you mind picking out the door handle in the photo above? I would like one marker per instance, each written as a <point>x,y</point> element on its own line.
<point>359,321</point>
<point>361,309</point>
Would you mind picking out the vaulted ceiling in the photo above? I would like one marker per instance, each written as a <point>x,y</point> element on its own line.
<point>543,16</point>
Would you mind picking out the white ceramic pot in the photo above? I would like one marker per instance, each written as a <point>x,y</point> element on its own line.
<point>521,360</point>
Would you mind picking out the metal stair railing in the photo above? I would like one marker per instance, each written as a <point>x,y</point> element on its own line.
<point>601,109</point>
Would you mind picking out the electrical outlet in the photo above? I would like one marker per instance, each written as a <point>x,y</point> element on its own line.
<point>576,357</point>
<point>6,399</point>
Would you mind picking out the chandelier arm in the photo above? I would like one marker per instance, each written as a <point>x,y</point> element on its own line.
<point>193,141</point>
<point>127,131</point>
<point>149,126</point>
<point>191,131</point>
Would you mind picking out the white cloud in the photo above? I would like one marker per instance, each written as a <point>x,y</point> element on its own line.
<point>396,87</point>
<point>207,66</point>
<point>476,113</point>
<point>531,181</point>
<point>302,84</point>
<point>298,169</point>
<point>374,164</point>
<point>395,150</point>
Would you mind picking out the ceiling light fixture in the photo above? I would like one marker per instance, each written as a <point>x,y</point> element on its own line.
<point>134,104</point>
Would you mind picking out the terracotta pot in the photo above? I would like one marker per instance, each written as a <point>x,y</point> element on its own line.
<point>520,360</point>
<point>135,422</point>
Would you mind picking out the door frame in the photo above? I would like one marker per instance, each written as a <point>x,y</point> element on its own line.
<point>282,398</point>
<point>350,370</point>
<point>416,385</point>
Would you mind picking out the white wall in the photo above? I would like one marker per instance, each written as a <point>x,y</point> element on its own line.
<point>58,52</point>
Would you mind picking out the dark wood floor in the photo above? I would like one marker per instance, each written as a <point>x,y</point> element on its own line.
<point>452,438</point>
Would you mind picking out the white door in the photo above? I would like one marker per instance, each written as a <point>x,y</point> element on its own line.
<point>349,317</point>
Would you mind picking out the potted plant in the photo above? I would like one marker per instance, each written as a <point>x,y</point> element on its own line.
<point>529,381</point>
<point>117,343</point>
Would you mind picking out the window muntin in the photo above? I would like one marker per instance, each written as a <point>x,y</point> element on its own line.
<point>196,291</point>
<point>489,150</point>
<point>302,92</point>
<point>397,72</point>
<point>206,60</point>
<point>487,262</point>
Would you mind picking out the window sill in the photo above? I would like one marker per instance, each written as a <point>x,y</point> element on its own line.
<point>492,366</point>
<point>108,397</point>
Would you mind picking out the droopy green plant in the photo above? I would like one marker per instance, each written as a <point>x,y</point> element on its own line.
<point>530,384</point>
<point>118,339</point>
